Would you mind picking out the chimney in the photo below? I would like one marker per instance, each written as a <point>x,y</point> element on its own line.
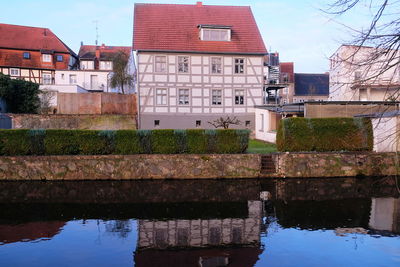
<point>103,46</point>
<point>199,4</point>
<point>97,53</point>
<point>81,43</point>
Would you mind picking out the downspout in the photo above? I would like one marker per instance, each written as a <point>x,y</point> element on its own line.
<point>137,90</point>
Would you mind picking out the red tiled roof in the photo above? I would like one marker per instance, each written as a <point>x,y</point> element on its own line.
<point>106,52</point>
<point>288,67</point>
<point>30,38</point>
<point>168,27</point>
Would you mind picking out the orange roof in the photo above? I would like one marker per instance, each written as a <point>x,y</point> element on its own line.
<point>30,38</point>
<point>170,27</point>
<point>106,52</point>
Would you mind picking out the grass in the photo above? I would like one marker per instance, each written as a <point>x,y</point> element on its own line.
<point>260,147</point>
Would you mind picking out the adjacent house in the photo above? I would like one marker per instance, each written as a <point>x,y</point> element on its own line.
<point>197,63</point>
<point>33,54</point>
<point>95,71</point>
<point>310,87</point>
<point>364,74</point>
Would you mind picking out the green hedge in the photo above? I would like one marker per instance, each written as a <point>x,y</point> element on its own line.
<point>122,142</point>
<point>325,134</point>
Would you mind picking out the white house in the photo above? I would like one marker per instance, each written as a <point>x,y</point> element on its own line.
<point>205,65</point>
<point>364,74</point>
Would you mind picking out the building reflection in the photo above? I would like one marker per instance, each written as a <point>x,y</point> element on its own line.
<point>201,242</point>
<point>29,231</point>
<point>385,214</point>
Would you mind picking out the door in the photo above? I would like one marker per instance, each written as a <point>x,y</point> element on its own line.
<point>93,82</point>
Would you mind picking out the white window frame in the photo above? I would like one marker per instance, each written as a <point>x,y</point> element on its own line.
<point>214,65</point>
<point>160,64</point>
<point>16,72</point>
<point>46,78</point>
<point>183,96</point>
<point>239,97</point>
<point>216,97</point>
<point>240,65</point>
<point>72,79</point>
<point>106,65</point>
<point>47,58</point>
<point>161,96</point>
<point>206,35</point>
<point>183,64</point>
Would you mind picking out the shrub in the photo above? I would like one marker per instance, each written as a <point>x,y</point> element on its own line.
<point>61,142</point>
<point>325,134</point>
<point>163,142</point>
<point>196,141</point>
<point>14,142</point>
<point>92,142</point>
<point>127,142</point>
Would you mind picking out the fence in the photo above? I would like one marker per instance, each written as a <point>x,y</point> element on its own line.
<point>96,103</point>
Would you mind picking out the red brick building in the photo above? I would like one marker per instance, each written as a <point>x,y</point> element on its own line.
<point>33,54</point>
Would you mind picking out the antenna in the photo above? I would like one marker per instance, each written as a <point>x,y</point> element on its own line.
<point>97,31</point>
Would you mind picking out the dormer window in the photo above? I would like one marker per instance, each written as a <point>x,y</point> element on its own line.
<point>215,33</point>
<point>46,58</point>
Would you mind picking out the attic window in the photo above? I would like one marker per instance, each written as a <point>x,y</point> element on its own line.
<point>215,33</point>
<point>26,55</point>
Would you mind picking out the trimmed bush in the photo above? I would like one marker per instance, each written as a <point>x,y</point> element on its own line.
<point>14,142</point>
<point>325,134</point>
<point>163,142</point>
<point>196,141</point>
<point>92,142</point>
<point>127,142</point>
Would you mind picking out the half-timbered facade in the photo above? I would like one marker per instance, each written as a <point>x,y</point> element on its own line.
<point>33,54</point>
<point>194,69</point>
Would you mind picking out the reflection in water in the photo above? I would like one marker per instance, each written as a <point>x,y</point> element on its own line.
<point>197,223</point>
<point>29,231</point>
<point>385,214</point>
<point>202,233</point>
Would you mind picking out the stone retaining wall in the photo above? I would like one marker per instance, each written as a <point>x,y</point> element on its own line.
<point>88,122</point>
<point>333,164</point>
<point>183,166</point>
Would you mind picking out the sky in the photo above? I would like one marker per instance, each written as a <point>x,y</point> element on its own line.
<point>297,29</point>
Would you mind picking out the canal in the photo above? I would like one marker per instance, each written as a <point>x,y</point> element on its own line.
<point>208,223</point>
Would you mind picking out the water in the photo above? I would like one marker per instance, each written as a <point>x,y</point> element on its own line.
<point>313,222</point>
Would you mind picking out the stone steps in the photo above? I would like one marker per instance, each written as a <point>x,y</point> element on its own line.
<point>267,164</point>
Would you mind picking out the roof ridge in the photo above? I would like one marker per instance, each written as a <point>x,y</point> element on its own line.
<point>25,26</point>
<point>194,5</point>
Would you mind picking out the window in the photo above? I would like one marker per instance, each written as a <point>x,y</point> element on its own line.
<point>183,97</point>
<point>161,96</point>
<point>26,55</point>
<point>183,64</point>
<point>72,79</point>
<point>261,122</point>
<point>247,123</point>
<point>239,65</point>
<point>216,65</point>
<point>216,97</point>
<point>59,58</point>
<point>156,123</point>
<point>14,72</point>
<point>198,123</point>
<point>46,78</point>
<point>87,65</point>
<point>239,97</point>
<point>160,64</point>
<point>216,35</point>
<point>46,58</point>
<point>106,65</point>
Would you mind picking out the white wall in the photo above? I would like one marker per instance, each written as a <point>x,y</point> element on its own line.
<point>386,134</point>
<point>350,59</point>
<point>262,130</point>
